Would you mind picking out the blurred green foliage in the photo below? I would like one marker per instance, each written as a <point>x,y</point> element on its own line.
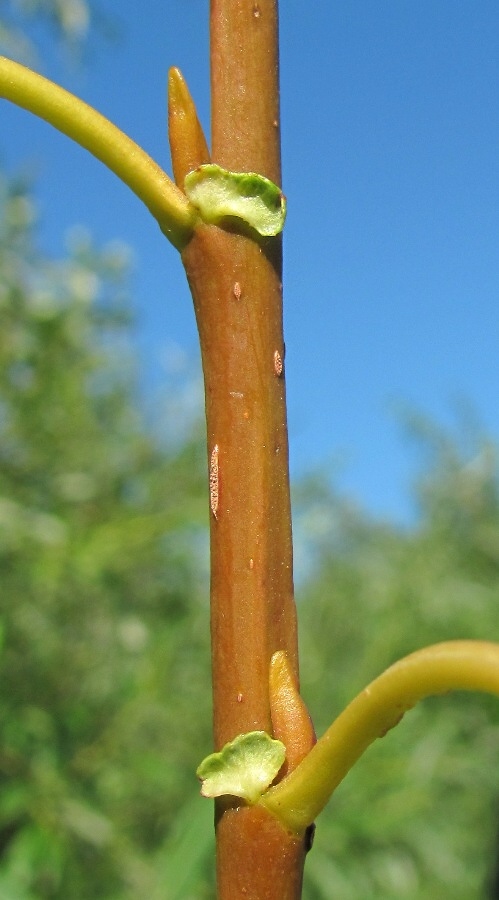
<point>104,658</point>
<point>68,20</point>
<point>104,669</point>
<point>419,814</point>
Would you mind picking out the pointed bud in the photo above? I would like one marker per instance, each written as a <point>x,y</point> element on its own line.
<point>188,145</point>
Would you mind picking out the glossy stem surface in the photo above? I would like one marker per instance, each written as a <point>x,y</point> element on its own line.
<point>236,282</point>
<point>245,122</point>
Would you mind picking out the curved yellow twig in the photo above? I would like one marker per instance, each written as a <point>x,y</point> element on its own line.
<point>175,215</point>
<point>454,665</point>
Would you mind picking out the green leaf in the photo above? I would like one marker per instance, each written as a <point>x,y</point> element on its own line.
<point>219,194</point>
<point>243,768</point>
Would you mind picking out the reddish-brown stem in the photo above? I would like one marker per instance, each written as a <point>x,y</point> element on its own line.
<point>271,866</point>
<point>237,298</point>
<point>236,284</point>
<point>245,86</point>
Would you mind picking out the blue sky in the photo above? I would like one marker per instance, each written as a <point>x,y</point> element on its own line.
<point>390,125</point>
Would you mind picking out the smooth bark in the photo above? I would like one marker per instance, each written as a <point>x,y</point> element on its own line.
<point>236,282</point>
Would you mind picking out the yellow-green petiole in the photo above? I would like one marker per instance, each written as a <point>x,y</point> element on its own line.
<point>174,213</point>
<point>454,665</point>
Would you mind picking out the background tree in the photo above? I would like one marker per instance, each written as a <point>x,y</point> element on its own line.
<point>69,20</point>
<point>102,555</point>
<point>428,825</point>
<point>102,562</point>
